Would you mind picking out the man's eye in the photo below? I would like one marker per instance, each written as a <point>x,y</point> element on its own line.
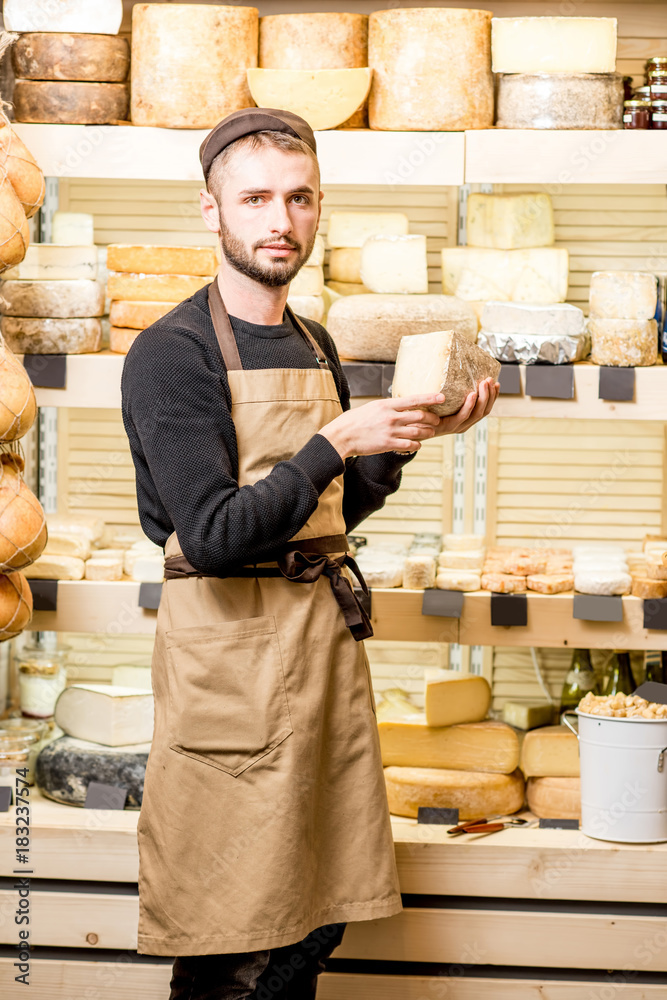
<point>254,199</point>
<point>300,199</point>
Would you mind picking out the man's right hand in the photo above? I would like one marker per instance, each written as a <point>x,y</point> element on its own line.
<point>383,425</point>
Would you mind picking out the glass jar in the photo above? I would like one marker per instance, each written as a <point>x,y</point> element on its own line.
<point>42,676</point>
<point>657,80</point>
<point>18,751</point>
<point>642,94</point>
<point>659,114</point>
<point>637,114</point>
<point>656,63</point>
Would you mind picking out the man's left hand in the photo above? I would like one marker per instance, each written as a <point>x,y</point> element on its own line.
<point>477,406</point>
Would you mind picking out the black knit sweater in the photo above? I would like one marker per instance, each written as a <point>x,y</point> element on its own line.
<point>176,408</point>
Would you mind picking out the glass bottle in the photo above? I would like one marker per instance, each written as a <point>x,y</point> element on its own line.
<point>580,679</point>
<point>656,667</point>
<point>619,679</point>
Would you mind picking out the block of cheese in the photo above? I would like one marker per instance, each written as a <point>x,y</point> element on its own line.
<point>345,264</point>
<point>307,306</point>
<point>154,287</point>
<point>352,229</point>
<point>90,527</point>
<point>316,258</point>
<point>556,320</point>
<point>325,98</point>
<point>56,299</point>
<point>559,101</point>
<point>395,704</point>
<point>189,63</point>
<point>539,275</point>
<point>553,583</point>
<point>347,288</point>
<point>550,752</point>
<point>134,677</point>
<point>138,550</point>
<point>54,567</point>
<point>100,17</point>
<point>474,746</point>
<point>419,572</point>
<point>463,543</point>
<point>623,343</point>
<point>554,798</point>
<point>452,697</point>
<point>161,260</point>
<point>313,41</point>
<point>458,579</point>
<point>605,582</point>
<point>370,327</point>
<point>461,560</point>
<point>104,568</point>
<point>527,715</point>
<point>503,583</point>
<point>521,564</point>
<point>381,568</point>
<point>395,264</point>
<point>50,261</point>
<point>137,315</point>
<point>66,766</point>
<point>67,543</point>
<point>510,221</point>
<point>431,69</point>
<point>147,568</point>
<point>71,103</point>
<point>71,56</point>
<point>655,567</point>
<point>623,295</point>
<point>52,336</point>
<point>74,229</point>
<point>474,794</point>
<point>553,44</point>
<point>646,587</point>
<point>442,361</point>
<point>307,281</point>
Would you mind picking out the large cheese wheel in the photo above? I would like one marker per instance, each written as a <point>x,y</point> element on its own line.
<point>103,16</point>
<point>554,798</point>
<point>137,315</point>
<point>22,169</point>
<point>52,336</point>
<point>71,56</point>
<point>474,793</point>
<point>71,103</point>
<point>161,260</point>
<point>15,605</point>
<point>431,69</point>
<point>189,63</point>
<point>65,768</point>
<point>14,231</point>
<point>58,299</point>
<point>22,521</point>
<point>559,100</point>
<point>154,287</point>
<point>18,407</point>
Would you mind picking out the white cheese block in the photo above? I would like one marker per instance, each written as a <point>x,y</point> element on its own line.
<point>345,264</point>
<point>552,751</point>
<point>325,98</point>
<point>97,17</point>
<point>307,281</point>
<point>526,319</point>
<point>73,228</point>
<point>538,275</point>
<point>307,306</point>
<point>461,559</point>
<point>464,543</point>
<point>554,798</point>
<point>418,572</point>
<point>55,299</point>
<point>623,343</point>
<point>148,568</point>
<point>553,44</point>
<point>475,746</point>
<point>452,697</point>
<point>395,264</point>
<point>106,714</point>
<point>460,580</point>
<point>89,527</point>
<point>154,287</point>
<point>54,567</point>
<point>510,221</point>
<point>352,229</point>
<point>100,567</point>
<point>474,794</point>
<point>139,259</point>
<point>44,261</point>
<point>316,258</point>
<point>137,315</point>
<point>67,543</point>
<point>370,327</point>
<point>52,336</point>
<point>605,582</point>
<point>132,677</point>
<point>347,288</point>
<point>623,295</point>
<point>528,715</point>
<point>381,567</point>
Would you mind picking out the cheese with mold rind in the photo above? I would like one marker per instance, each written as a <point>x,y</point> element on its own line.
<point>554,798</point>
<point>623,295</point>
<point>623,343</point>
<point>25,335</point>
<point>77,298</point>
<point>44,261</point>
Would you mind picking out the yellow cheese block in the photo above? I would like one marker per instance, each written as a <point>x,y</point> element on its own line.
<point>161,260</point>
<point>554,798</point>
<point>475,746</point>
<point>121,339</point>
<point>453,697</point>
<point>550,752</point>
<point>325,98</point>
<point>510,221</point>
<point>154,287</point>
<point>352,229</point>
<point>345,264</point>
<point>475,794</point>
<point>137,315</point>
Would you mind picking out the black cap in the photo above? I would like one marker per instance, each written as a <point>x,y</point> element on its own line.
<point>250,120</point>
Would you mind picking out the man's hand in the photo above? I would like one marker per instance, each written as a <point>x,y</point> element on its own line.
<point>385,425</point>
<point>477,406</point>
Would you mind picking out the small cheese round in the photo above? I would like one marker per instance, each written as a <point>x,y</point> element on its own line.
<point>121,339</point>
<point>554,798</point>
<point>71,56</point>
<point>643,587</point>
<point>559,101</point>
<point>70,103</point>
<point>474,793</point>
<point>66,299</point>
<point>51,336</point>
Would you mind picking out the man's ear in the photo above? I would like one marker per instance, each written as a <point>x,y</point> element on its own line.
<point>210,212</point>
<point>319,209</point>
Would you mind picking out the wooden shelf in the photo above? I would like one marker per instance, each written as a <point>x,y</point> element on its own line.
<point>92,380</point>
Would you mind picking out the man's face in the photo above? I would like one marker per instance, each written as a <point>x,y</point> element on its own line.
<point>269,212</point>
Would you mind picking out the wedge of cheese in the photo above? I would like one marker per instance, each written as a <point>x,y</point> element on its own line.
<point>154,287</point>
<point>553,44</point>
<point>161,260</point>
<point>554,798</point>
<point>395,264</point>
<point>510,221</point>
<point>474,794</point>
<point>106,714</point>
<point>550,752</point>
<point>538,275</point>
<point>352,229</point>
<point>452,697</point>
<point>476,746</point>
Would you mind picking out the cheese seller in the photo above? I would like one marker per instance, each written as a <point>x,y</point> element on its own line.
<point>264,826</point>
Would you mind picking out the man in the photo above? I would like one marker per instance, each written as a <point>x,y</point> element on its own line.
<point>264,826</point>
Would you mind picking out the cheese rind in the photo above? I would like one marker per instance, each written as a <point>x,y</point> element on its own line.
<point>307,281</point>
<point>527,716</point>
<point>419,572</point>
<point>527,319</point>
<point>72,299</point>
<point>66,766</point>
<point>510,221</point>
<point>552,751</point>
<point>555,583</point>
<point>106,714</point>
<point>352,229</point>
<point>71,56</point>
<point>48,261</point>
<point>459,580</point>
<point>52,336</point>
<point>559,101</point>
<point>345,264</point>
<point>604,582</point>
<point>461,560</point>
<point>154,287</point>
<point>553,44</point>
<point>313,41</point>
<point>395,264</point>
<point>55,567</point>
<point>623,343</point>
<point>538,275</point>
<point>623,295</point>
<point>104,568</point>
<point>452,697</point>
<point>503,583</point>
<point>71,103</point>
<point>101,17</point>
<point>646,587</point>
<point>197,261</point>
<point>325,98</point>
<point>475,746</point>
<point>554,798</point>
<point>137,315</point>
<point>474,794</point>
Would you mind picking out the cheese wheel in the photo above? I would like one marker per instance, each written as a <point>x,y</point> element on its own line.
<point>104,567</point>
<point>161,260</point>
<point>66,766</point>
<point>475,746</point>
<point>18,407</point>
<point>623,295</point>
<point>121,339</point>
<point>71,56</point>
<point>460,580</point>
<point>189,63</point>
<point>554,798</point>
<point>345,264</point>
<point>57,299</point>
<point>137,315</point>
<point>307,281</point>
<point>623,343</point>
<point>560,101</point>
<point>95,16</point>
<point>71,103</point>
<point>154,287</point>
<point>14,231</point>
<point>431,69</point>
<point>22,523</point>
<point>474,794</point>
<point>52,336</point>
<point>15,605</point>
<point>644,587</point>
<point>22,169</point>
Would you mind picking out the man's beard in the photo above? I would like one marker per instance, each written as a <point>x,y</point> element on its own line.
<point>272,272</point>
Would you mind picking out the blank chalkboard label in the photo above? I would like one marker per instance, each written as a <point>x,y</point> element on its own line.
<point>653,691</point>
<point>550,381</point>
<point>617,384</point>
<point>388,372</point>
<point>149,596</point>
<point>5,798</point>
<point>46,371</point>
<point>559,824</point>
<point>101,796</point>
<point>442,603</point>
<point>44,594</point>
<point>438,817</point>
<point>597,608</point>
<point>655,612</point>
<point>510,380</point>
<point>509,609</point>
<point>364,379</point>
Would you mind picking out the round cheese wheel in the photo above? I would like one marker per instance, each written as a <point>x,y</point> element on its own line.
<point>559,100</point>
<point>137,315</point>
<point>18,407</point>
<point>189,63</point>
<point>52,336</point>
<point>647,588</point>
<point>22,521</point>
<point>431,69</point>
<point>554,798</point>
<point>121,339</point>
<point>474,793</point>
<point>22,169</point>
<point>66,766</point>
<point>14,231</point>
<point>15,605</point>
<point>43,55</point>
<point>71,103</point>
<point>64,299</point>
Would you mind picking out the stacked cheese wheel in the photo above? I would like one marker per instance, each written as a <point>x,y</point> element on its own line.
<point>146,282</point>
<point>621,320</point>
<point>306,289</point>
<point>557,73</point>
<point>550,764</point>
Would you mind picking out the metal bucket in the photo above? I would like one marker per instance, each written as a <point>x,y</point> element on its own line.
<point>623,778</point>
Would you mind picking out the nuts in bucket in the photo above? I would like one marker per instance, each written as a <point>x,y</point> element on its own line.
<point>622,706</point>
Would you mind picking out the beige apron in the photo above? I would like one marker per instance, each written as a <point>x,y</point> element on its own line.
<point>264,813</point>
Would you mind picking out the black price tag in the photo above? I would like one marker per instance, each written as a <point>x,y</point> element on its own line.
<point>509,609</point>
<point>149,595</point>
<point>364,599</point>
<point>438,817</point>
<point>655,612</point>
<point>44,594</point>
<point>550,381</point>
<point>5,798</point>
<point>597,608</point>
<point>510,380</point>
<point>617,384</point>
<point>101,796</point>
<point>559,824</point>
<point>387,378</point>
<point>364,379</point>
<point>46,371</point>
<point>653,691</point>
<point>442,603</point>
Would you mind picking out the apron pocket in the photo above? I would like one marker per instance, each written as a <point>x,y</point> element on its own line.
<point>228,704</point>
